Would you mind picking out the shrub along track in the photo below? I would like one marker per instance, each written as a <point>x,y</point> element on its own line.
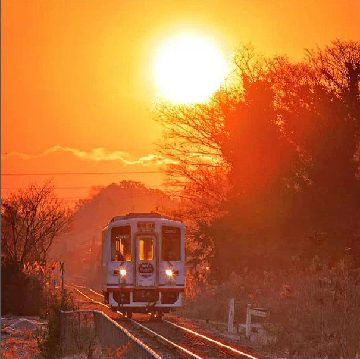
<point>166,338</point>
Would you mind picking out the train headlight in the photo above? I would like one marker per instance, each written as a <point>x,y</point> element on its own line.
<point>169,272</point>
<point>123,272</point>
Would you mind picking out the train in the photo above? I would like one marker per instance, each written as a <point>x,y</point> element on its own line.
<point>143,264</point>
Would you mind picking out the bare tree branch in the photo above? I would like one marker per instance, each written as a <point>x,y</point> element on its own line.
<point>30,222</point>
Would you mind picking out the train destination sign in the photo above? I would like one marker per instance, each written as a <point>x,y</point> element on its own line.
<point>146,226</point>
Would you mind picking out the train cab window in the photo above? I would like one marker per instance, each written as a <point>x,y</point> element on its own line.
<point>146,249</point>
<point>171,244</point>
<point>121,244</point>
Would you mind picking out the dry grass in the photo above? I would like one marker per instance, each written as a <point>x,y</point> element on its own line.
<point>314,312</point>
<point>19,345</point>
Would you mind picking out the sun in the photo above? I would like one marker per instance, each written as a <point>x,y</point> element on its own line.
<point>189,69</point>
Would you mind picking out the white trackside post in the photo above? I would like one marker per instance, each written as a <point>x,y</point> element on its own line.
<point>231,316</point>
<point>62,270</point>
<point>248,321</point>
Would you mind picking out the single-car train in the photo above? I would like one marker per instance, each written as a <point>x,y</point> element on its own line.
<point>143,256</point>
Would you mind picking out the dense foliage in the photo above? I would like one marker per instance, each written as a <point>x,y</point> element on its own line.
<point>269,167</point>
<point>49,341</point>
<point>23,292</point>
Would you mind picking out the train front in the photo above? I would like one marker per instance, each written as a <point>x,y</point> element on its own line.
<point>146,271</point>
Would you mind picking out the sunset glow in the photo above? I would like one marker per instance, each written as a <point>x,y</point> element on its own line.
<point>160,152</point>
<point>189,69</point>
<point>79,78</point>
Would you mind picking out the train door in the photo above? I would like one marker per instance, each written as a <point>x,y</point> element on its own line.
<point>146,261</point>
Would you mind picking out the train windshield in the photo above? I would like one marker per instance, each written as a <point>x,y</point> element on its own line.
<point>121,244</point>
<point>146,249</point>
<point>171,244</point>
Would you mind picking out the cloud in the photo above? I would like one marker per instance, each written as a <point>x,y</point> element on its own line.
<point>154,159</point>
<point>96,154</point>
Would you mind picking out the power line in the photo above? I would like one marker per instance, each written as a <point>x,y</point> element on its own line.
<point>73,199</point>
<point>79,173</point>
<point>90,187</point>
<point>9,152</point>
<point>54,187</point>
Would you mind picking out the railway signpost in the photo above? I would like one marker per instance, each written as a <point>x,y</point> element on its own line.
<point>258,312</point>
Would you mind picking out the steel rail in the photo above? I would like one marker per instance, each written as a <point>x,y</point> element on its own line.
<point>211,340</point>
<point>164,340</point>
<point>150,332</point>
<point>131,336</point>
<point>170,343</point>
<point>93,291</point>
<point>92,300</point>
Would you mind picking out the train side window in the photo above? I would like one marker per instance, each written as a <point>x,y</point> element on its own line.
<point>121,244</point>
<point>171,244</point>
<point>146,249</point>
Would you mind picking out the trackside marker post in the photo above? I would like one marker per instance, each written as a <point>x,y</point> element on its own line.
<point>62,270</point>
<point>231,316</point>
<point>258,312</point>
<point>248,321</point>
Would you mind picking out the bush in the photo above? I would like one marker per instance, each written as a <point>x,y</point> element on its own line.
<point>23,291</point>
<point>314,312</point>
<point>317,312</point>
<point>49,340</point>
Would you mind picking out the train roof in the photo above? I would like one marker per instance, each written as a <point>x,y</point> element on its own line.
<point>140,215</point>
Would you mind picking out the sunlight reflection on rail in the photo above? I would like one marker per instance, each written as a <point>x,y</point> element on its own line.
<point>212,340</point>
<point>92,300</point>
<point>149,330</point>
<point>97,293</point>
<point>171,323</point>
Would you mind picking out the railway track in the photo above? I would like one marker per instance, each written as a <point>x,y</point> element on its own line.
<point>166,338</point>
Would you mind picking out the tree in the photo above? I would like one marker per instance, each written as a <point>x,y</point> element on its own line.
<point>31,220</point>
<point>256,146</point>
<point>338,68</point>
<point>316,107</point>
<point>272,157</point>
<point>191,143</point>
<point>193,138</point>
<point>321,97</point>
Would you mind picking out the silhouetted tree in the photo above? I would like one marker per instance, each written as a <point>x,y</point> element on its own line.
<point>193,139</point>
<point>285,137</point>
<point>338,68</point>
<point>265,172</point>
<point>196,171</point>
<point>31,220</point>
<point>322,108</point>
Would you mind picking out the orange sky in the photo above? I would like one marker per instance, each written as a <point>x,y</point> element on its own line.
<point>77,82</point>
